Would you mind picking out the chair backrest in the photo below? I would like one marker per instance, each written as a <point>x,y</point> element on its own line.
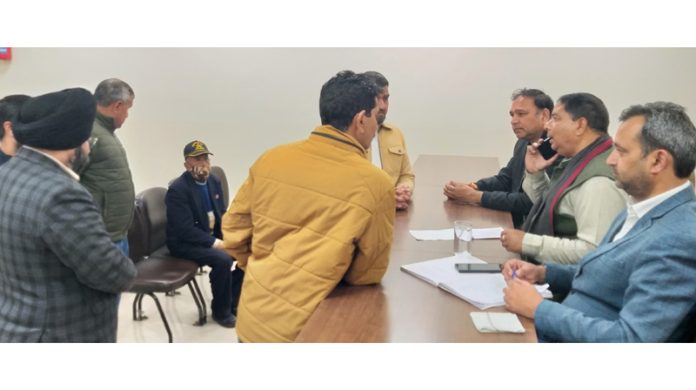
<point>149,230</point>
<point>220,173</point>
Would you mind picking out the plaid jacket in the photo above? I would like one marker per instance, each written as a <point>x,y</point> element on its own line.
<point>59,271</point>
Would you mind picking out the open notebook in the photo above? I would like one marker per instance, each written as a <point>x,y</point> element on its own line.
<point>483,290</point>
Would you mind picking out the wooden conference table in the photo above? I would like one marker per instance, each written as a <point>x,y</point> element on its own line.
<point>404,308</point>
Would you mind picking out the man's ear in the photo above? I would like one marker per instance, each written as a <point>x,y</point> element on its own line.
<point>582,125</point>
<point>545,115</point>
<point>117,106</point>
<point>360,120</point>
<point>660,161</point>
<point>7,126</point>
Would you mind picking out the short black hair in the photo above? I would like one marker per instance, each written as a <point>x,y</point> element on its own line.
<point>380,81</point>
<point>588,106</point>
<point>667,127</point>
<point>9,107</point>
<point>345,95</point>
<point>541,99</point>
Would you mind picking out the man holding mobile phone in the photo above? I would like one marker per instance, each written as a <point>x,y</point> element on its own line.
<point>575,205</point>
<point>529,112</point>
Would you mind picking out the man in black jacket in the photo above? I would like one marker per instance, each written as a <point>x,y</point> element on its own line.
<point>530,110</point>
<point>195,207</point>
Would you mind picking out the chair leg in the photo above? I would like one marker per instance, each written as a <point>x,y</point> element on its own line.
<point>135,317</point>
<point>200,302</point>
<point>164,319</point>
<point>201,271</point>
<point>138,314</point>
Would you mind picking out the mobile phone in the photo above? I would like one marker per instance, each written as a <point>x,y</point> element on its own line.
<point>478,268</point>
<point>545,149</point>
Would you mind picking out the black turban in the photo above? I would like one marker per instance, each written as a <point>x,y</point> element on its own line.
<point>56,121</point>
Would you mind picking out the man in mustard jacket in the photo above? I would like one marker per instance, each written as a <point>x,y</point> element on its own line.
<point>310,214</point>
<point>392,156</point>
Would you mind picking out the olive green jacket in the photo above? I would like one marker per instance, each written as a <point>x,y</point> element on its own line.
<point>108,178</point>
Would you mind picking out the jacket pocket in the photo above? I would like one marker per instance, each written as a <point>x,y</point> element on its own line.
<point>398,150</point>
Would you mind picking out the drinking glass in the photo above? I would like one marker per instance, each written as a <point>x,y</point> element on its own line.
<point>462,237</point>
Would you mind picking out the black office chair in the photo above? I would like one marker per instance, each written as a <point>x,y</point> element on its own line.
<point>158,271</point>
<point>220,174</point>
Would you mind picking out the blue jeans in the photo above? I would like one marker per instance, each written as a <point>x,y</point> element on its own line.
<point>122,245</point>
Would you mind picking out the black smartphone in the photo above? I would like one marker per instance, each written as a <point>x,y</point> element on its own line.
<point>545,149</point>
<point>478,268</point>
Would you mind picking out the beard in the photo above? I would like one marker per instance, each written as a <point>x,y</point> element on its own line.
<point>80,161</point>
<point>638,186</point>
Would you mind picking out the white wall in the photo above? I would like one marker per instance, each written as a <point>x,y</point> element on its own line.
<point>244,101</point>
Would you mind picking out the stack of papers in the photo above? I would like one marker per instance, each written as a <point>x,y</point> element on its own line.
<point>448,234</point>
<point>486,322</point>
<point>483,290</point>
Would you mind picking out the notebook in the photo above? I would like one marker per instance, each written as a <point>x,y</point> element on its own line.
<point>484,290</point>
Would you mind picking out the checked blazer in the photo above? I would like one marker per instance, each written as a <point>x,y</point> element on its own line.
<point>60,274</point>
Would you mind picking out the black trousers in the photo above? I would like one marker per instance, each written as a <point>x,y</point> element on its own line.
<point>226,285</point>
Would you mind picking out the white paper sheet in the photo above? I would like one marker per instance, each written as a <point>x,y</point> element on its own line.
<point>487,233</point>
<point>448,234</point>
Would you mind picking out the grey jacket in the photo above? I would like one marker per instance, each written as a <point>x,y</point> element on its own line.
<point>108,178</point>
<point>59,271</point>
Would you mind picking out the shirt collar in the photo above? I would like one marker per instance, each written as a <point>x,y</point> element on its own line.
<point>67,170</point>
<point>338,138</point>
<point>386,126</point>
<point>643,207</point>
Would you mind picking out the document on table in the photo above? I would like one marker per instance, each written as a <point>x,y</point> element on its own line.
<point>431,235</point>
<point>483,290</point>
<point>487,322</point>
<point>448,234</point>
<point>487,233</point>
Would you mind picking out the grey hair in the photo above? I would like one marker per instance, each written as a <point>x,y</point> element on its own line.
<point>110,91</point>
<point>667,127</point>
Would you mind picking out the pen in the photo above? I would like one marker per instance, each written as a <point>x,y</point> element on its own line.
<point>514,274</point>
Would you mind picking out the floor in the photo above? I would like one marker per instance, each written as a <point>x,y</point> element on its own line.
<point>181,313</point>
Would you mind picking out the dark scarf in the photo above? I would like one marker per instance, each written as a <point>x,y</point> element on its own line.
<point>540,218</point>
